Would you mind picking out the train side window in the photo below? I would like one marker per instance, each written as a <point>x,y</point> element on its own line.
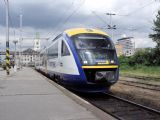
<point>64,49</point>
<point>53,51</point>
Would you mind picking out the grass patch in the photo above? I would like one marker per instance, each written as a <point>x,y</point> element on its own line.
<point>152,72</point>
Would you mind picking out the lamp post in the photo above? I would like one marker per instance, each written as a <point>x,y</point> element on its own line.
<point>15,63</point>
<point>20,40</point>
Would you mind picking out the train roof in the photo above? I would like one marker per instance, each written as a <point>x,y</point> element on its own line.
<point>76,31</point>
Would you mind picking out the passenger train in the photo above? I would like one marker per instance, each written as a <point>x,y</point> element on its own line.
<point>81,59</point>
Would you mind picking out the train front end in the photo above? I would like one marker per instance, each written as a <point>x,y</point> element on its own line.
<point>96,59</point>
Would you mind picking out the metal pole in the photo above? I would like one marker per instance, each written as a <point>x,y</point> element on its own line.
<point>15,61</point>
<point>20,41</point>
<point>7,39</point>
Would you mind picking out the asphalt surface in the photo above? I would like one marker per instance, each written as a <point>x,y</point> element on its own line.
<point>26,95</point>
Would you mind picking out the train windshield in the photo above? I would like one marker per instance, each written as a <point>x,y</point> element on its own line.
<point>94,49</point>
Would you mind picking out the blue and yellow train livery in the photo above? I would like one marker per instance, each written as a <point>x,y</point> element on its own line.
<point>81,59</point>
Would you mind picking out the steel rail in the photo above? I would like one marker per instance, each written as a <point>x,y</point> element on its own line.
<point>133,84</point>
<point>133,103</point>
<point>140,83</point>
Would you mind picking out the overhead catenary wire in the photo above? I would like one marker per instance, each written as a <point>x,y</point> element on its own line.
<point>100,18</point>
<point>134,11</point>
<point>130,13</point>
<point>60,19</point>
<point>68,17</point>
<point>138,9</point>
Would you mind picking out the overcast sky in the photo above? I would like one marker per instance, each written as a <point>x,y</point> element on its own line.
<point>50,17</point>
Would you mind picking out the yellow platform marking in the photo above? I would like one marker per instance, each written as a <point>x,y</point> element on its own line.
<point>75,31</point>
<point>89,67</point>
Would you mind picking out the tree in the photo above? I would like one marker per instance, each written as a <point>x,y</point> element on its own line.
<point>156,35</point>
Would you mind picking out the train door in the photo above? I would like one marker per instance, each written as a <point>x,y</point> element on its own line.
<point>64,57</point>
<point>67,61</point>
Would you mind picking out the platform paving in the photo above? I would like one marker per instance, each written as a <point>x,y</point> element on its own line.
<point>26,95</point>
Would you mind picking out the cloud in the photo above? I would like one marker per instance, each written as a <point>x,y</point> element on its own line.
<point>48,17</point>
<point>144,42</point>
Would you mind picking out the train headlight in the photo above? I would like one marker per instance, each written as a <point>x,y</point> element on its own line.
<point>85,62</point>
<point>112,61</point>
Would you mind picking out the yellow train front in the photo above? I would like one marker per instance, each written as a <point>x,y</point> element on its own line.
<point>96,59</point>
<point>81,59</point>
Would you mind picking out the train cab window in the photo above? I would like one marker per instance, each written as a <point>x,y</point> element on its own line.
<point>64,49</point>
<point>94,49</point>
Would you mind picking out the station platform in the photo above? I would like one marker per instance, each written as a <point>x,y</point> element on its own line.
<point>27,95</point>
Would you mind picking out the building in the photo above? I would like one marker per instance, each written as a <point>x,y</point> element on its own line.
<point>37,45</point>
<point>119,49</point>
<point>128,47</point>
<point>28,57</point>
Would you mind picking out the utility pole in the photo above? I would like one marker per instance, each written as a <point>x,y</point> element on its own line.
<point>111,26</point>
<point>20,41</point>
<point>15,52</point>
<point>7,38</point>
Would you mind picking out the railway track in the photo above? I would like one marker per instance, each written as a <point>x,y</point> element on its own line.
<point>140,85</point>
<point>142,77</point>
<point>122,109</point>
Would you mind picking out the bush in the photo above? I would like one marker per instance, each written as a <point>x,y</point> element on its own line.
<point>145,57</point>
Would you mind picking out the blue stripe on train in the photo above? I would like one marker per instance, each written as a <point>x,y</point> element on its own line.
<point>76,57</point>
<point>74,82</point>
<point>67,78</point>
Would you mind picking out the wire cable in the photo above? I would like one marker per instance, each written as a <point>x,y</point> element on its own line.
<point>60,19</point>
<point>100,18</point>
<point>138,9</point>
<point>67,18</point>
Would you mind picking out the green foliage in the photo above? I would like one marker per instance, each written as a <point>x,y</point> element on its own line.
<point>145,57</point>
<point>156,35</point>
<point>124,62</point>
<point>140,70</point>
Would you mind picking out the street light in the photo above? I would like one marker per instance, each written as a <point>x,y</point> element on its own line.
<point>15,63</point>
